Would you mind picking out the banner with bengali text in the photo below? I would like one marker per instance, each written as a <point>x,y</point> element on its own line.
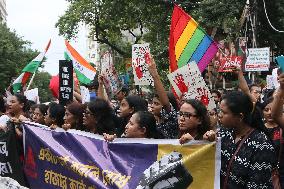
<point>80,160</point>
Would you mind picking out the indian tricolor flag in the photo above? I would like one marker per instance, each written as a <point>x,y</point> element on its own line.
<point>189,42</point>
<point>30,69</point>
<point>84,71</point>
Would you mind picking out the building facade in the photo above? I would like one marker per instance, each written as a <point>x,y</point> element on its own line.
<point>92,49</point>
<point>3,11</point>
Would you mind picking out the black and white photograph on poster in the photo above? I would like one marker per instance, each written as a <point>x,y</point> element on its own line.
<point>65,81</point>
<point>169,172</point>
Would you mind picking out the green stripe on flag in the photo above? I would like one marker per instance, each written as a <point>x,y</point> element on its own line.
<point>16,87</point>
<point>190,47</point>
<point>31,67</point>
<point>66,56</point>
<point>82,78</point>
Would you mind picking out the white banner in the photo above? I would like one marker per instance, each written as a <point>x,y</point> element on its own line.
<point>258,59</point>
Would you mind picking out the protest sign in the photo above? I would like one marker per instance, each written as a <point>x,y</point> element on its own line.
<point>9,155</point>
<point>140,57</point>
<point>85,93</point>
<point>65,81</point>
<point>258,59</point>
<point>228,63</point>
<point>188,80</point>
<point>32,95</point>
<point>109,73</point>
<point>75,159</point>
<point>9,183</point>
<point>269,82</point>
<point>275,78</point>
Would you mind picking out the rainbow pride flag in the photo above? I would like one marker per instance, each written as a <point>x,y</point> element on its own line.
<point>189,42</point>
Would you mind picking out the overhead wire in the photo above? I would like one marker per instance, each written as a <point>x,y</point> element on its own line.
<point>264,6</point>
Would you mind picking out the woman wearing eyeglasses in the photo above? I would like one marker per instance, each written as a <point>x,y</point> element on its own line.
<point>98,117</point>
<point>193,121</point>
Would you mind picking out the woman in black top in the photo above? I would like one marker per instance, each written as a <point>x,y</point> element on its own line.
<point>253,164</point>
<point>275,133</point>
<point>277,111</point>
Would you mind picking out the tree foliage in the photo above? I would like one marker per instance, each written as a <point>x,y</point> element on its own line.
<point>41,81</point>
<point>15,53</point>
<point>149,21</point>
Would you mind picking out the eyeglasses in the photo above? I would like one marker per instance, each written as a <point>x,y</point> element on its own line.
<point>186,114</point>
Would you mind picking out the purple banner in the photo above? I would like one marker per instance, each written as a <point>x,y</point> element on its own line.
<point>64,160</point>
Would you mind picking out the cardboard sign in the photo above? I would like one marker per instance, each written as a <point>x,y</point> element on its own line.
<point>258,59</point>
<point>109,73</point>
<point>32,95</point>
<point>140,57</point>
<point>275,78</point>
<point>65,81</point>
<point>188,80</point>
<point>85,93</point>
<point>227,63</point>
<point>269,82</point>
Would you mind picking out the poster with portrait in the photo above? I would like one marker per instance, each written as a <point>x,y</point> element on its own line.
<point>109,73</point>
<point>140,60</point>
<point>188,81</point>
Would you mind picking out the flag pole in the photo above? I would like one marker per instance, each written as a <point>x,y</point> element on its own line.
<point>31,80</point>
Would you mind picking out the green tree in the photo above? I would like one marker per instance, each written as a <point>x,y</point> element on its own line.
<point>15,53</point>
<point>41,81</point>
<point>149,21</point>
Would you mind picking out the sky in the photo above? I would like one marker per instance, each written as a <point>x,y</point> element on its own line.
<point>34,20</point>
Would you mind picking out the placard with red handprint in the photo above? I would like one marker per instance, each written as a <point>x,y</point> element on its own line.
<point>187,80</point>
<point>109,73</point>
<point>140,61</point>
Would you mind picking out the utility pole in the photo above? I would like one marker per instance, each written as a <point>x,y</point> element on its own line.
<point>253,21</point>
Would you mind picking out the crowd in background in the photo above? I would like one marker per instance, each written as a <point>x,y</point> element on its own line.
<point>249,121</point>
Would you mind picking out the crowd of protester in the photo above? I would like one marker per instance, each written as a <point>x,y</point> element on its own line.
<point>248,120</point>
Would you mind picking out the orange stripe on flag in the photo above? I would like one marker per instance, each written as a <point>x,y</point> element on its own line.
<point>48,45</point>
<point>78,57</point>
<point>185,37</point>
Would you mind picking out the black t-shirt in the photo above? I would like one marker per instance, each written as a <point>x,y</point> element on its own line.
<point>274,135</point>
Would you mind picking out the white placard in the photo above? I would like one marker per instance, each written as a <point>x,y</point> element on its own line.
<point>269,82</point>
<point>188,80</point>
<point>85,94</point>
<point>258,59</point>
<point>140,67</point>
<point>275,78</point>
<point>32,95</point>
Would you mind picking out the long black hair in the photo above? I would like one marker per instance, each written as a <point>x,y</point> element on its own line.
<point>103,114</point>
<point>147,120</point>
<point>202,114</point>
<point>23,100</point>
<point>137,103</point>
<point>238,102</point>
<point>57,112</point>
